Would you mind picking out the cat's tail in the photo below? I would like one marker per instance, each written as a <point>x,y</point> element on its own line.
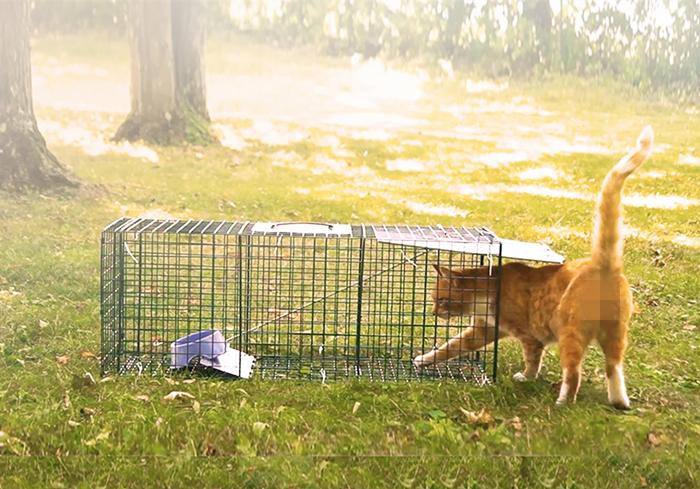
<point>607,231</point>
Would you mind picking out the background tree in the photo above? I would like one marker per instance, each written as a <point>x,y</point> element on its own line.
<point>25,161</point>
<point>168,92</point>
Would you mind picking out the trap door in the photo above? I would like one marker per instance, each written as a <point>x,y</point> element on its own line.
<point>398,321</point>
<point>300,299</point>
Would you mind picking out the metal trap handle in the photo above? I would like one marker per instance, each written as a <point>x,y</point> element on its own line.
<point>304,223</point>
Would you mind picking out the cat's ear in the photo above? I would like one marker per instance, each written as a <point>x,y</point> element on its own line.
<point>442,271</point>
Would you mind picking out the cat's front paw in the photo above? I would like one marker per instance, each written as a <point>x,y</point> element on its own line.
<point>420,361</point>
<point>520,377</point>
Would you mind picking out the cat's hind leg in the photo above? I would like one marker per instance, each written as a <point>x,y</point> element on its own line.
<point>613,342</point>
<point>533,350</point>
<point>572,347</point>
<point>470,339</point>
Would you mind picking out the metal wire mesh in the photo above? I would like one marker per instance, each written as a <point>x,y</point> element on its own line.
<point>309,301</point>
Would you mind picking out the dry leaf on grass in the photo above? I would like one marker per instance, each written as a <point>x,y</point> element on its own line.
<point>62,359</point>
<point>87,355</point>
<point>102,436</point>
<point>43,324</point>
<point>66,400</point>
<point>189,381</point>
<point>142,398</point>
<point>196,407</point>
<point>175,395</point>
<point>259,427</point>
<point>355,407</point>
<point>655,439</point>
<point>87,412</point>
<point>689,327</point>
<point>515,423</point>
<point>482,418</point>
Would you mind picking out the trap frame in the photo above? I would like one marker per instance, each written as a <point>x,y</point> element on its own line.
<point>307,300</point>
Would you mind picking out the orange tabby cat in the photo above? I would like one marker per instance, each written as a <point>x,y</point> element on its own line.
<point>572,304</point>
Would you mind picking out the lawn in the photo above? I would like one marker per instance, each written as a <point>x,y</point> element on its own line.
<point>323,139</point>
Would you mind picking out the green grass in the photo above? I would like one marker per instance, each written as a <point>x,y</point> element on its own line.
<point>60,431</point>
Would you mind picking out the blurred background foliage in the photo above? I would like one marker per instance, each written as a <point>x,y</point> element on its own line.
<point>651,44</point>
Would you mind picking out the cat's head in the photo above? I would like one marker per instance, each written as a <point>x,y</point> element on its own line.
<point>463,292</point>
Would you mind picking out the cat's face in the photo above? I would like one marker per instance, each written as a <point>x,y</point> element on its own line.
<point>458,292</point>
<point>450,297</point>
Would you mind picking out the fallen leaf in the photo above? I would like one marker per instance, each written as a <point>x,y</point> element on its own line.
<point>72,423</point>
<point>87,355</point>
<point>482,418</point>
<point>689,327</point>
<point>259,427</point>
<point>101,436</point>
<point>142,398</point>
<point>106,379</point>
<point>515,423</point>
<point>66,400</point>
<point>208,449</point>
<point>196,407</point>
<point>159,422</point>
<point>62,360</point>
<point>87,412</point>
<point>43,324</point>
<point>189,381</point>
<point>174,395</point>
<point>355,407</point>
<point>654,439</point>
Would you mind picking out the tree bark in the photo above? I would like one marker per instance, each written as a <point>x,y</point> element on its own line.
<point>189,34</point>
<point>168,98</point>
<point>25,161</point>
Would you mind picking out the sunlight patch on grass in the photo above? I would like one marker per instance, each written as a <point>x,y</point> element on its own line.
<point>485,86</point>
<point>541,173</point>
<point>372,81</point>
<point>497,159</point>
<point>659,201</point>
<point>93,143</point>
<point>633,200</point>
<point>565,232</point>
<point>229,137</point>
<point>406,165</point>
<point>434,210</point>
<point>517,105</point>
<point>654,174</point>
<point>273,133</point>
<point>690,160</point>
<point>326,164</point>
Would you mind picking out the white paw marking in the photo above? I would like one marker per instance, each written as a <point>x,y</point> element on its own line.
<point>520,377</point>
<point>617,392</point>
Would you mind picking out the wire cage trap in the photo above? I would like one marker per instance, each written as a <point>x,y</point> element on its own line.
<point>306,300</point>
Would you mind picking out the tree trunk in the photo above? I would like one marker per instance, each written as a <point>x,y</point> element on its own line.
<point>25,161</point>
<point>168,103</point>
<point>189,34</point>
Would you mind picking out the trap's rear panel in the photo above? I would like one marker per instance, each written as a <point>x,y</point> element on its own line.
<point>308,300</point>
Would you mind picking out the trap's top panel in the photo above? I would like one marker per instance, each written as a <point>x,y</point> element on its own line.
<point>478,240</point>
